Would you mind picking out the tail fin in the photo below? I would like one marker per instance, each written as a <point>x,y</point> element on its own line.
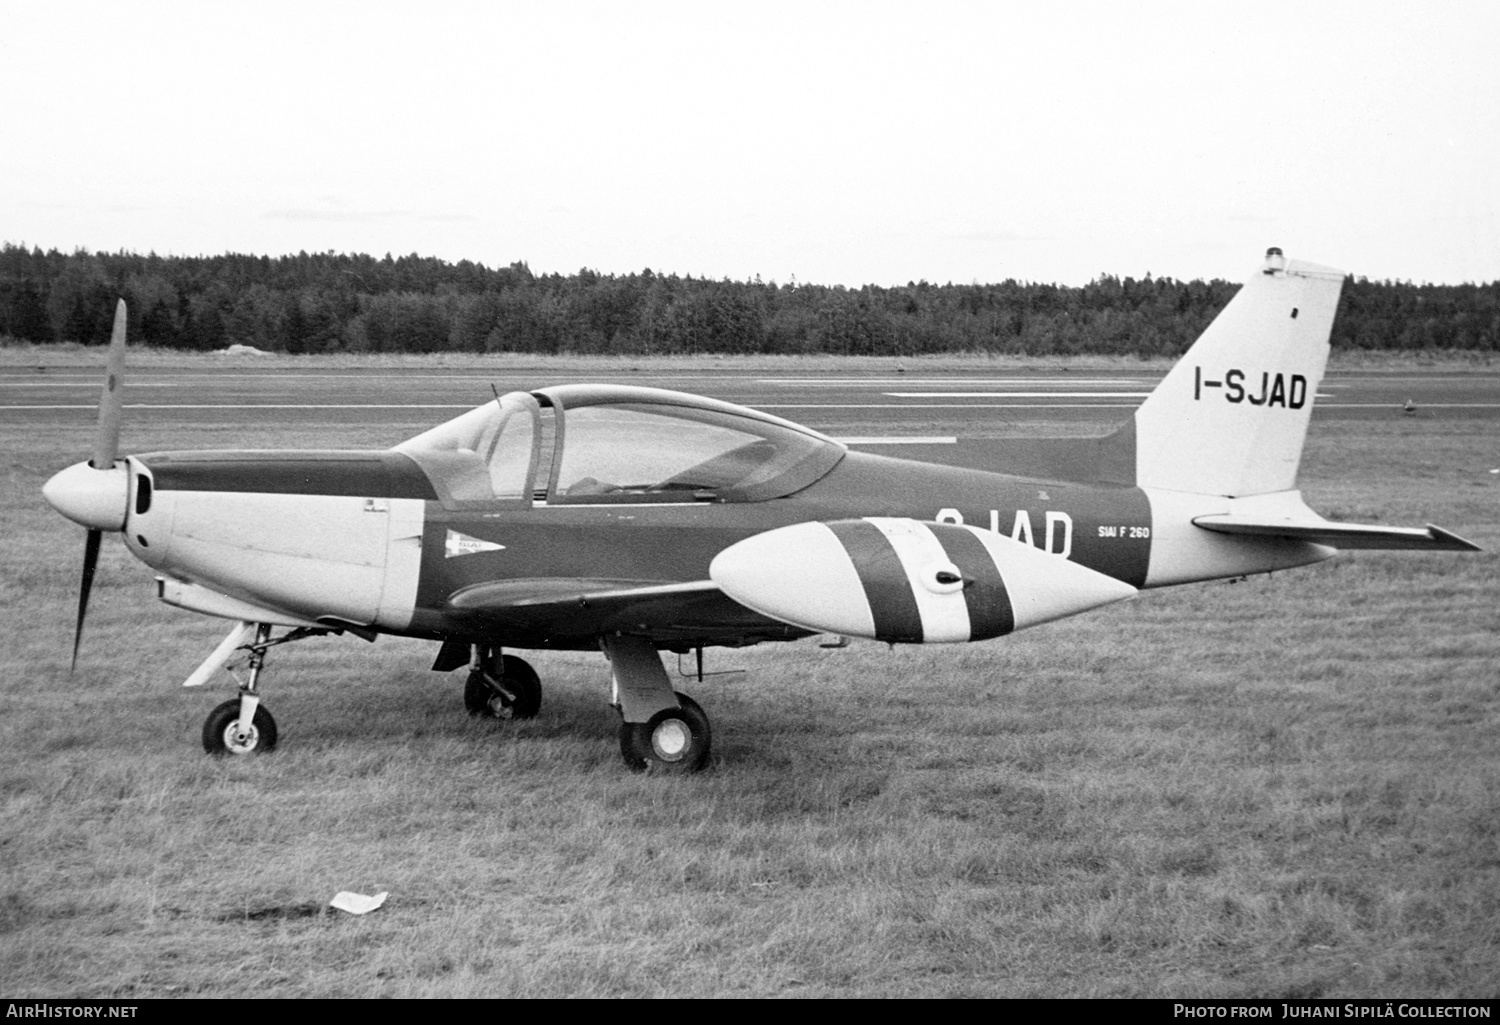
<point>1230,418</point>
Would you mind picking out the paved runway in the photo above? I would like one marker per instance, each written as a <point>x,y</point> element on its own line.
<point>856,403</point>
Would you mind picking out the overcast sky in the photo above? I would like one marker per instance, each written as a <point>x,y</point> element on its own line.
<point>838,143</point>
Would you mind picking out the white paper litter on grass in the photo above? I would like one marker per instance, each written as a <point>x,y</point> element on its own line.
<point>357,903</point>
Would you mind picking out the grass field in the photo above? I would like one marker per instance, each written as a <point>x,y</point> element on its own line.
<point>1283,787</point>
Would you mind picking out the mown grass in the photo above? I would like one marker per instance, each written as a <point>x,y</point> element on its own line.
<point>1284,787</point>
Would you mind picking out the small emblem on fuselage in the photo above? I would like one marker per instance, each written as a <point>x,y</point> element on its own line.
<point>458,544</point>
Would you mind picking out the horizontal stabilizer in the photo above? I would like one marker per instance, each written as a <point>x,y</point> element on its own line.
<point>1339,535</point>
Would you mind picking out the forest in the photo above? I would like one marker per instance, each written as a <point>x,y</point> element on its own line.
<point>332,302</point>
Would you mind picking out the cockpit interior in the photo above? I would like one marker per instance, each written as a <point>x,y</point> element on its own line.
<point>590,444</point>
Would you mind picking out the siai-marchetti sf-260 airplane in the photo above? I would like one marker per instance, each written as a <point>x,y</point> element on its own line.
<point>633,520</point>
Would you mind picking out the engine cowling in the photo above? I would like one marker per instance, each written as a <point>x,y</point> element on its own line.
<point>892,579</point>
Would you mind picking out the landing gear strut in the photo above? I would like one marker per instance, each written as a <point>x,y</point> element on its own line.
<point>501,686</point>
<point>663,731</point>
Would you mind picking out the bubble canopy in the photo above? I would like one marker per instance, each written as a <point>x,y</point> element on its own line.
<point>596,444</point>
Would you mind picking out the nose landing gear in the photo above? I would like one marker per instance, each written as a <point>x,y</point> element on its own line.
<point>242,725</point>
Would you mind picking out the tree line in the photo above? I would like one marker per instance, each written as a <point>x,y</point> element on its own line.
<point>332,302</point>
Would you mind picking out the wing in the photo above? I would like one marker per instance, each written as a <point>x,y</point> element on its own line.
<point>539,592</point>
<point>1339,535</point>
<point>575,611</point>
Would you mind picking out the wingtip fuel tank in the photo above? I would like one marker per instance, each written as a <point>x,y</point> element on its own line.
<point>893,579</point>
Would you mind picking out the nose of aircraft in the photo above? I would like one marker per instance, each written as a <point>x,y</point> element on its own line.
<point>97,499</point>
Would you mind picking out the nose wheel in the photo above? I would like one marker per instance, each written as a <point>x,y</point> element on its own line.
<point>223,735</point>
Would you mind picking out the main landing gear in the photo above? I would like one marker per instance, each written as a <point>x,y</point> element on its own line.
<point>663,731</point>
<point>501,686</point>
<point>674,740</point>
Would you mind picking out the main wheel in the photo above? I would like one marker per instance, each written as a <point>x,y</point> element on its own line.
<point>675,741</point>
<point>518,696</point>
<point>221,734</point>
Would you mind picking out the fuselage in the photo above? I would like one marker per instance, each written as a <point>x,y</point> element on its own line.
<point>370,540</point>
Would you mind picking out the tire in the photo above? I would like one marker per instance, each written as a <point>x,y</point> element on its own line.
<point>218,731</point>
<point>676,741</point>
<point>523,701</point>
<point>477,695</point>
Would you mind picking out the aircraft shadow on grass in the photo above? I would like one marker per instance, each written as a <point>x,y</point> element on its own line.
<point>636,520</point>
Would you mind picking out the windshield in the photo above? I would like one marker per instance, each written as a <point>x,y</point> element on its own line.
<point>487,454</point>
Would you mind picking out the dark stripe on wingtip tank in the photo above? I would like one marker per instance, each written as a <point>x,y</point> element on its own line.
<point>892,605</point>
<point>990,611</point>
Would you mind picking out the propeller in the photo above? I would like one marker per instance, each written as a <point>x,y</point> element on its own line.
<point>94,500</point>
<point>111,397</point>
<point>90,560</point>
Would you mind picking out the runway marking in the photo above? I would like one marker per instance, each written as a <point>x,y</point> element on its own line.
<point>782,405</point>
<point>262,405</point>
<point>374,406</point>
<point>194,380</point>
<point>59,379</point>
<point>1030,395</point>
<point>1017,394</point>
<point>939,405</point>
<point>957,379</point>
<point>1086,405</point>
<point>764,405</point>
<point>82,382</point>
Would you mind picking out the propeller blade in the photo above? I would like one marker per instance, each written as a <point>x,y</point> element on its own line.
<point>90,560</point>
<point>111,398</point>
